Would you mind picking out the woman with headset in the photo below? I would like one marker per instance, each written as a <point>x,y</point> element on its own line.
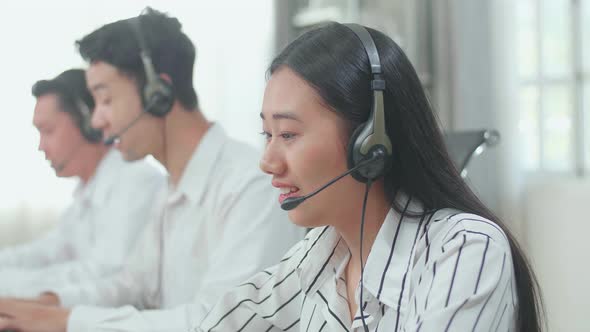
<point>401,245</point>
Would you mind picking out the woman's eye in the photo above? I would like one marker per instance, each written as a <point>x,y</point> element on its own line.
<point>285,136</point>
<point>288,136</point>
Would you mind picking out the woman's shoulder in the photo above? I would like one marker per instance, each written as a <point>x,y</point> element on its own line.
<point>447,225</point>
<point>452,241</point>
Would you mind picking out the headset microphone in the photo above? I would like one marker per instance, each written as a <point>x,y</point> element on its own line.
<point>112,139</point>
<point>292,202</point>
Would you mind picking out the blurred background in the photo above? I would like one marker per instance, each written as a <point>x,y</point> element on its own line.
<point>520,67</point>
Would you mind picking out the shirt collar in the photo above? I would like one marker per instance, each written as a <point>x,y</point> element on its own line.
<point>197,172</point>
<point>383,277</point>
<point>97,189</point>
<point>325,254</point>
<point>391,254</point>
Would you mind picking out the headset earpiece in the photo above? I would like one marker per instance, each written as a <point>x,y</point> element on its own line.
<point>158,97</point>
<point>90,133</point>
<point>157,93</point>
<point>372,170</point>
<point>351,155</point>
<point>370,140</point>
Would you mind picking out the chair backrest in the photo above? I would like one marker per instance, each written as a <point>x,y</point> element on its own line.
<point>464,145</point>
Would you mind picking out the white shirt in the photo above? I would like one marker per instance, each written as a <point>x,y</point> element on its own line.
<point>217,228</point>
<point>446,271</point>
<point>95,234</point>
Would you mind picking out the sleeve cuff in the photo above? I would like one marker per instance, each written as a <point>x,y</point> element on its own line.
<point>67,297</point>
<point>128,319</point>
<point>84,318</point>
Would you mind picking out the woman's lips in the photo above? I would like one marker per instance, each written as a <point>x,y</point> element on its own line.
<point>284,195</point>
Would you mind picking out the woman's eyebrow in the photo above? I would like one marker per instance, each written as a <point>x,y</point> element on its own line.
<point>282,116</point>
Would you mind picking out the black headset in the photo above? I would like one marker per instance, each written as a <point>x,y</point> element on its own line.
<point>370,140</point>
<point>90,133</point>
<point>157,94</point>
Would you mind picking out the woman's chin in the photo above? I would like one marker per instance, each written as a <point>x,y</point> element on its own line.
<point>302,218</point>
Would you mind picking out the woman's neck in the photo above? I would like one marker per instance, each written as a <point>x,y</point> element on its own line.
<point>377,208</point>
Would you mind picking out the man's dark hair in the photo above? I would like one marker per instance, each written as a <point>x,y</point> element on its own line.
<point>170,49</point>
<point>70,88</point>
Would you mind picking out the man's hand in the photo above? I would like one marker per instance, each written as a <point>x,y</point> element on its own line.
<point>32,317</point>
<point>48,298</point>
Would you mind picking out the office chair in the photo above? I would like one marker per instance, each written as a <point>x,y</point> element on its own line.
<point>465,145</point>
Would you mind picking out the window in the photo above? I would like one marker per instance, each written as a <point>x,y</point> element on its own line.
<point>554,56</point>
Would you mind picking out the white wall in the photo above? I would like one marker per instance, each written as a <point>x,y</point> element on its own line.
<point>557,231</point>
<point>470,86</point>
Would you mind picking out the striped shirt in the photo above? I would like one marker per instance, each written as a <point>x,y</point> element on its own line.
<point>443,271</point>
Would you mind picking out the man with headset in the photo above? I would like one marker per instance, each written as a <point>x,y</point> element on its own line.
<point>218,225</point>
<point>110,206</point>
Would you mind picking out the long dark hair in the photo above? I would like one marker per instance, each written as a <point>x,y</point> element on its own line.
<point>333,61</point>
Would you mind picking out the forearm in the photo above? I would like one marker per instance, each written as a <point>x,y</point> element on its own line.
<point>27,283</point>
<point>31,255</point>
<point>129,319</point>
<point>116,290</point>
